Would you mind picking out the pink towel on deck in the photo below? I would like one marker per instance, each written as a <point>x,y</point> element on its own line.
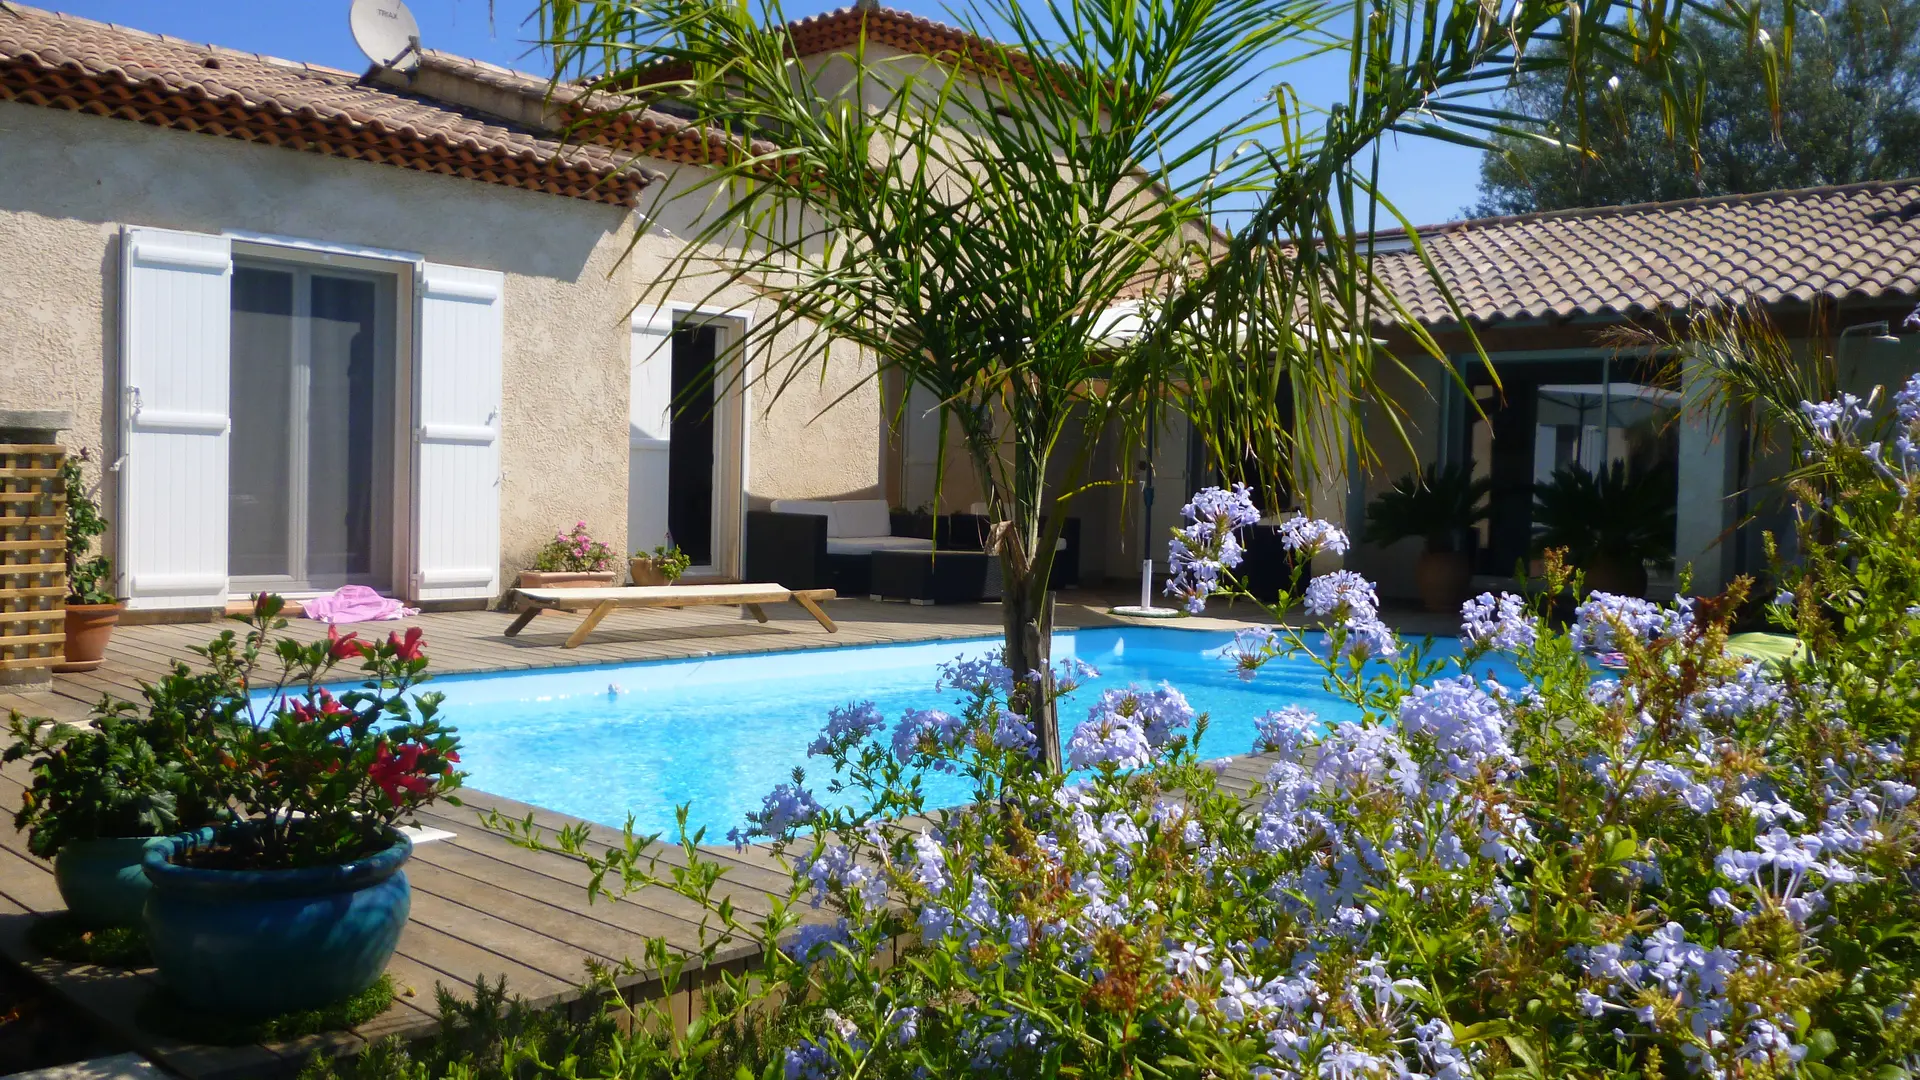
<point>355,603</point>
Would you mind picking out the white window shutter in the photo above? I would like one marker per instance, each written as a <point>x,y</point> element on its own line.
<point>457,434</point>
<point>175,331</point>
<point>650,426</point>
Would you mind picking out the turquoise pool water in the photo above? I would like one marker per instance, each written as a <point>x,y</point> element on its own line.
<point>603,742</point>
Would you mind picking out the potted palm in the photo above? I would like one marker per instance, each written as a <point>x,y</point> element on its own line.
<point>102,795</point>
<point>661,566</point>
<point>300,901</point>
<point>572,560</point>
<point>92,609</point>
<point>1612,525</point>
<point>1439,507</point>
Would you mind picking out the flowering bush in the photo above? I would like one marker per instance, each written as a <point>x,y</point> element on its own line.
<point>313,778</point>
<point>1701,867</point>
<point>575,552</point>
<point>256,741</point>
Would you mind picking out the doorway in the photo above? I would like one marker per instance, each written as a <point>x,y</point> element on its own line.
<point>1548,415</point>
<point>312,404</point>
<point>690,457</point>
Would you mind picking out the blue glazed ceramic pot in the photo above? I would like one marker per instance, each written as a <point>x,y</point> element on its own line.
<point>257,943</point>
<point>104,882</point>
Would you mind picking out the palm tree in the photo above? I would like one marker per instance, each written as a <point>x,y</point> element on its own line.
<point>974,224</point>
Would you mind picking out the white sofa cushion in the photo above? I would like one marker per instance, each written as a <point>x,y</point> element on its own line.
<point>867,545</point>
<point>815,507</point>
<point>859,517</point>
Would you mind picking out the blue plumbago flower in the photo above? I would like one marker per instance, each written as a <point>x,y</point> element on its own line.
<point>1767,1043</point>
<point>904,1025</point>
<point>1287,730</point>
<point>1363,638</point>
<point>785,806</point>
<point>1671,778</point>
<point>846,725</point>
<point>836,870</point>
<point>812,941</point>
<point>1667,966</point>
<point>1603,615</point>
<point>930,863</point>
<point>1778,875</point>
<point>811,1061</point>
<point>991,1042</point>
<point>1012,732</point>
<point>1251,649</point>
<point>1906,401</point>
<point>1498,622</point>
<point>1206,547</point>
<point>1107,738</point>
<point>922,730</point>
<point>1341,594</point>
<point>1068,674</point>
<point>1836,420</point>
<point>1749,692</point>
<point>1306,537</point>
<point>1160,713</point>
<point>1349,601</point>
<point>1189,958</point>
<point>1464,724</point>
<point>988,674</point>
<point>1232,507</point>
<point>1783,598</point>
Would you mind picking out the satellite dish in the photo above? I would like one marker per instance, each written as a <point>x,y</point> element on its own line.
<point>386,31</point>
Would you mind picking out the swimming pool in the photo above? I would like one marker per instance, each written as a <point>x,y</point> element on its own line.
<point>603,742</point>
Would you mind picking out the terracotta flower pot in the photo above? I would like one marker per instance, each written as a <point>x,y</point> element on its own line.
<point>565,579</point>
<point>644,572</point>
<point>1445,580</point>
<point>88,628</point>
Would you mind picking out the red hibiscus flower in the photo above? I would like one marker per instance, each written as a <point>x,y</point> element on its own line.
<point>409,649</point>
<point>341,648</point>
<point>398,772</point>
<point>322,706</point>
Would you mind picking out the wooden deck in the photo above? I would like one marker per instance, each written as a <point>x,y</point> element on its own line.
<point>482,907</point>
<point>468,641</point>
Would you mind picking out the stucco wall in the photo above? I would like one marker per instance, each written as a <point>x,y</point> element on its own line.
<point>68,181</point>
<point>814,417</point>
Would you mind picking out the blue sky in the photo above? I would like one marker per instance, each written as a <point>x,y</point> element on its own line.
<point>1430,182</point>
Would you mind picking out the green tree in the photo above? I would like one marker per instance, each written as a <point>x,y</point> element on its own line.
<point>1850,111</point>
<point>973,224</point>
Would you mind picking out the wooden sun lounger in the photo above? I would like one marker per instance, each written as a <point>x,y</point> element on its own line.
<point>599,603</point>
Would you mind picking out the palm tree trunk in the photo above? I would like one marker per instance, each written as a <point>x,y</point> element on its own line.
<point>1026,564</point>
<point>1026,607</point>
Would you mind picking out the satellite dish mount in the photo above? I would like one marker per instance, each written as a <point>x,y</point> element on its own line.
<point>387,33</point>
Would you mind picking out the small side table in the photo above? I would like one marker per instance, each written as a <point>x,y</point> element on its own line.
<point>931,577</point>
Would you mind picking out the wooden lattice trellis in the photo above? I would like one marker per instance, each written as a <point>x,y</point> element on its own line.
<point>33,556</point>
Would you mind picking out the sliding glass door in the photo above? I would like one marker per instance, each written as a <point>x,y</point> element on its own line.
<point>1549,415</point>
<point>312,398</point>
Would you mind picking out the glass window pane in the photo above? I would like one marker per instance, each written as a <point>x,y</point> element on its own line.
<point>344,430</point>
<point>260,406</point>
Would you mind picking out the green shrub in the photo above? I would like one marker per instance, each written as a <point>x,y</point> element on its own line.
<point>1701,867</point>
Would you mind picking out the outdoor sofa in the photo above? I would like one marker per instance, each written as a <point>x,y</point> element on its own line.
<point>829,544</point>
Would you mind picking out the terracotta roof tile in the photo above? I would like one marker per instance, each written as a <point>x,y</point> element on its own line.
<point>598,118</point>
<point>61,61</point>
<point>1855,242</point>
